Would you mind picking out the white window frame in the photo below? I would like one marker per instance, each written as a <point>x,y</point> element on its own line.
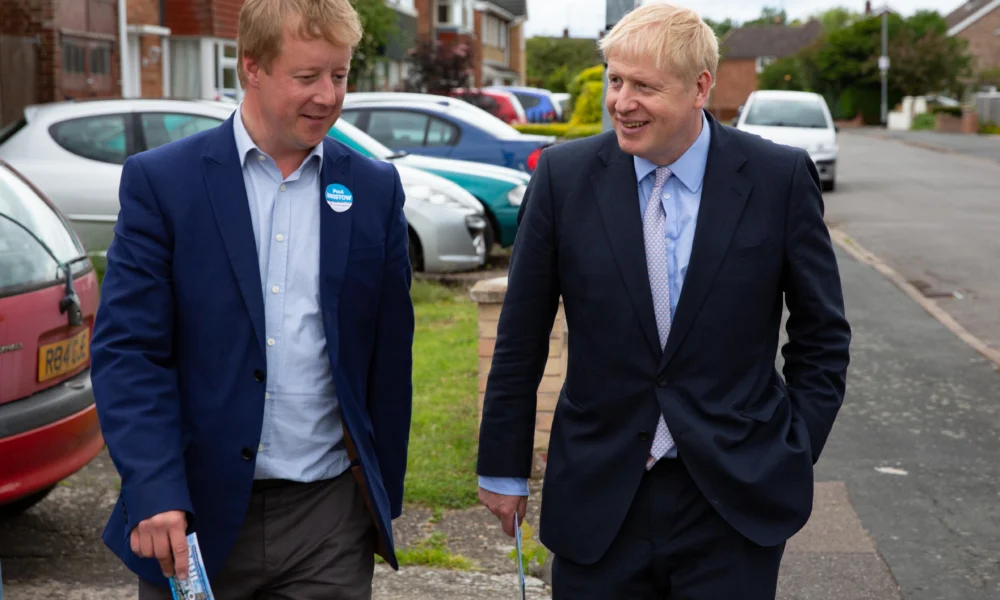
<point>764,61</point>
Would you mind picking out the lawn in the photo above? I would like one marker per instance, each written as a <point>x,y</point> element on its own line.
<point>443,436</point>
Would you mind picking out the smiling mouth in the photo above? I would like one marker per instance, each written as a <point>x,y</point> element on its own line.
<point>633,124</point>
<point>312,118</point>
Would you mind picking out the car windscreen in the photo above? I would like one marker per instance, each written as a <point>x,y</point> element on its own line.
<point>24,262</point>
<point>785,112</point>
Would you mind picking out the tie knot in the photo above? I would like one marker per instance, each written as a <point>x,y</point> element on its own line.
<point>662,174</point>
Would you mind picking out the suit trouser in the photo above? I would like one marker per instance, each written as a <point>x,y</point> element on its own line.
<point>673,545</point>
<point>300,541</point>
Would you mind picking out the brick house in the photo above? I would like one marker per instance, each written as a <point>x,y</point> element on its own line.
<point>202,48</point>
<point>499,26</point>
<point>978,22</point>
<point>148,65</point>
<point>746,51</point>
<point>51,50</point>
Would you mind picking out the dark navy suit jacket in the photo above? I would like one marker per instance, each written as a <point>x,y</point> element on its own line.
<point>178,352</point>
<point>748,436</point>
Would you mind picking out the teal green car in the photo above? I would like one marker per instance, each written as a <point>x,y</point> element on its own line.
<point>499,189</point>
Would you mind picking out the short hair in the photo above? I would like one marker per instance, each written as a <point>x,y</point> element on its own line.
<point>675,38</point>
<point>262,23</point>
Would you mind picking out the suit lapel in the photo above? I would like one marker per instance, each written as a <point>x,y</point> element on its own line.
<point>334,237</point>
<point>724,194</point>
<point>227,193</point>
<point>618,202</point>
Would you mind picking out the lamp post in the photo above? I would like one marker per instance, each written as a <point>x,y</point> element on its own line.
<point>883,64</point>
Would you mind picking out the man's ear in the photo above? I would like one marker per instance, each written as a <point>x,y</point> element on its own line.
<point>252,68</point>
<point>704,86</point>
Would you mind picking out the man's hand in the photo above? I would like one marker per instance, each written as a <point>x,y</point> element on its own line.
<point>505,508</point>
<point>164,538</point>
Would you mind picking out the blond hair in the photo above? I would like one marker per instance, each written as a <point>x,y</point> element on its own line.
<point>674,37</point>
<point>262,23</point>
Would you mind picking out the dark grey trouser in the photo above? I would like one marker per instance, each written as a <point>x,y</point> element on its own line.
<point>300,541</point>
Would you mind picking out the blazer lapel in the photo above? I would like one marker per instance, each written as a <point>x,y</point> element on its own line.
<point>227,193</point>
<point>724,194</point>
<point>618,203</point>
<point>334,237</point>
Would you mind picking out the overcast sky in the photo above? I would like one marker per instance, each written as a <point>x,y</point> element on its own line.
<point>585,18</point>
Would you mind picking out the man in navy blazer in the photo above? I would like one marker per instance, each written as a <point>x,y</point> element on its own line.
<point>252,350</point>
<point>680,461</point>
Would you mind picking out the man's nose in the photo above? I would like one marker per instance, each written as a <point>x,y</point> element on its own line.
<point>326,94</point>
<point>625,101</point>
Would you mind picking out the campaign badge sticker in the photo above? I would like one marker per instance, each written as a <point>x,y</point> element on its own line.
<point>339,197</point>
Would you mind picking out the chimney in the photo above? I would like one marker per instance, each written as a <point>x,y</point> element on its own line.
<point>868,7</point>
<point>565,32</point>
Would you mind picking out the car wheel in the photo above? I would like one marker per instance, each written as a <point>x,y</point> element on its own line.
<point>22,504</point>
<point>416,255</point>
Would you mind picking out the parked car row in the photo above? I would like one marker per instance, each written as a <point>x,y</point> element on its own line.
<point>60,167</point>
<point>518,104</point>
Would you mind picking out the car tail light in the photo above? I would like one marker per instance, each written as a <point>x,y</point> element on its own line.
<point>533,159</point>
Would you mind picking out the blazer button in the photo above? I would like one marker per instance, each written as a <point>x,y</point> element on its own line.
<point>662,381</point>
<point>643,436</point>
<point>258,375</point>
<point>246,454</point>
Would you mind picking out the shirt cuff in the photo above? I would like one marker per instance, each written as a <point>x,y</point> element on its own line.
<point>505,486</point>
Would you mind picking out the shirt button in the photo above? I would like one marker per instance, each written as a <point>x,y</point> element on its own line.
<point>260,157</point>
<point>260,448</point>
<point>267,395</point>
<point>666,196</point>
<point>274,289</point>
<point>282,187</point>
<point>270,341</point>
<point>279,237</point>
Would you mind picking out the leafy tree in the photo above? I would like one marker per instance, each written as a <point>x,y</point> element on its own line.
<point>769,15</point>
<point>553,62</point>
<point>721,28</point>
<point>379,24</point>
<point>837,18</point>
<point>784,74</point>
<point>439,67</point>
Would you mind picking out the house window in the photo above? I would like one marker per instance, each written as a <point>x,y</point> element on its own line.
<point>100,59</point>
<point>226,80</point>
<point>443,12</point>
<point>763,62</point>
<point>73,57</point>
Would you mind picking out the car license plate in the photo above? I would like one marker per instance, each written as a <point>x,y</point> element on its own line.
<point>55,360</point>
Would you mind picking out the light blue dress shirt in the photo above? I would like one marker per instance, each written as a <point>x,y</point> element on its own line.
<point>302,435</point>
<point>681,200</point>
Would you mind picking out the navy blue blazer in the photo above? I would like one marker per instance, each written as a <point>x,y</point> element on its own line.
<point>748,436</point>
<point>178,361</point>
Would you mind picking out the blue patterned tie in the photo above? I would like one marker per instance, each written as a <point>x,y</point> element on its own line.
<point>653,222</point>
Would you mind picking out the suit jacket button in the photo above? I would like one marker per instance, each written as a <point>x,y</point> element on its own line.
<point>246,454</point>
<point>643,436</point>
<point>258,375</point>
<point>662,382</point>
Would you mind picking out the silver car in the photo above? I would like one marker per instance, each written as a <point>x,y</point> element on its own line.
<point>74,151</point>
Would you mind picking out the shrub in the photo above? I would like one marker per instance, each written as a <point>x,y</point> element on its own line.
<point>955,111</point>
<point>989,129</point>
<point>589,105</point>
<point>595,73</point>
<point>565,131</point>
<point>924,122</point>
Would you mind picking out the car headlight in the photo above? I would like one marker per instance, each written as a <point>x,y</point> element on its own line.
<point>431,196</point>
<point>516,195</point>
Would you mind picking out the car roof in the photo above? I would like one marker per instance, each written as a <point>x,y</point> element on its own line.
<point>787,94</point>
<point>77,108</point>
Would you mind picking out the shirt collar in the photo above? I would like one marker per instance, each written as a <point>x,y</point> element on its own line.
<point>690,167</point>
<point>245,144</point>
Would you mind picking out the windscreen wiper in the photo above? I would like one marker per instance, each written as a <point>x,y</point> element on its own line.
<point>70,302</point>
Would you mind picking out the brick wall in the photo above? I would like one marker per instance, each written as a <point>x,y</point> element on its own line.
<point>489,296</point>
<point>984,42</point>
<point>478,19</point>
<point>188,17</point>
<point>226,18</point>
<point>735,80</point>
<point>29,18</point>
<point>517,58</point>
<point>425,17</point>
<point>147,12</point>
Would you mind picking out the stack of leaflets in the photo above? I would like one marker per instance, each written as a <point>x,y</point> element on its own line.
<point>195,587</point>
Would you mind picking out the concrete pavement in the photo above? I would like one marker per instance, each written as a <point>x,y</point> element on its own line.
<point>982,146</point>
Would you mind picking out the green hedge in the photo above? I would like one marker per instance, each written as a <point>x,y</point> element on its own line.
<point>924,122</point>
<point>955,111</point>
<point>560,130</point>
<point>589,104</point>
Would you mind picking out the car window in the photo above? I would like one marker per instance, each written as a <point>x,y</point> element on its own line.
<point>398,128</point>
<point>350,116</point>
<point>23,261</point>
<point>528,100</point>
<point>163,128</point>
<point>99,137</point>
<point>782,112</point>
<point>440,133</point>
<point>360,140</point>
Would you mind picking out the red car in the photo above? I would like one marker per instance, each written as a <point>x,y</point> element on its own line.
<point>501,104</point>
<point>48,298</point>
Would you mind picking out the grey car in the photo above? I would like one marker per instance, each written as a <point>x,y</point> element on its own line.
<point>74,151</point>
